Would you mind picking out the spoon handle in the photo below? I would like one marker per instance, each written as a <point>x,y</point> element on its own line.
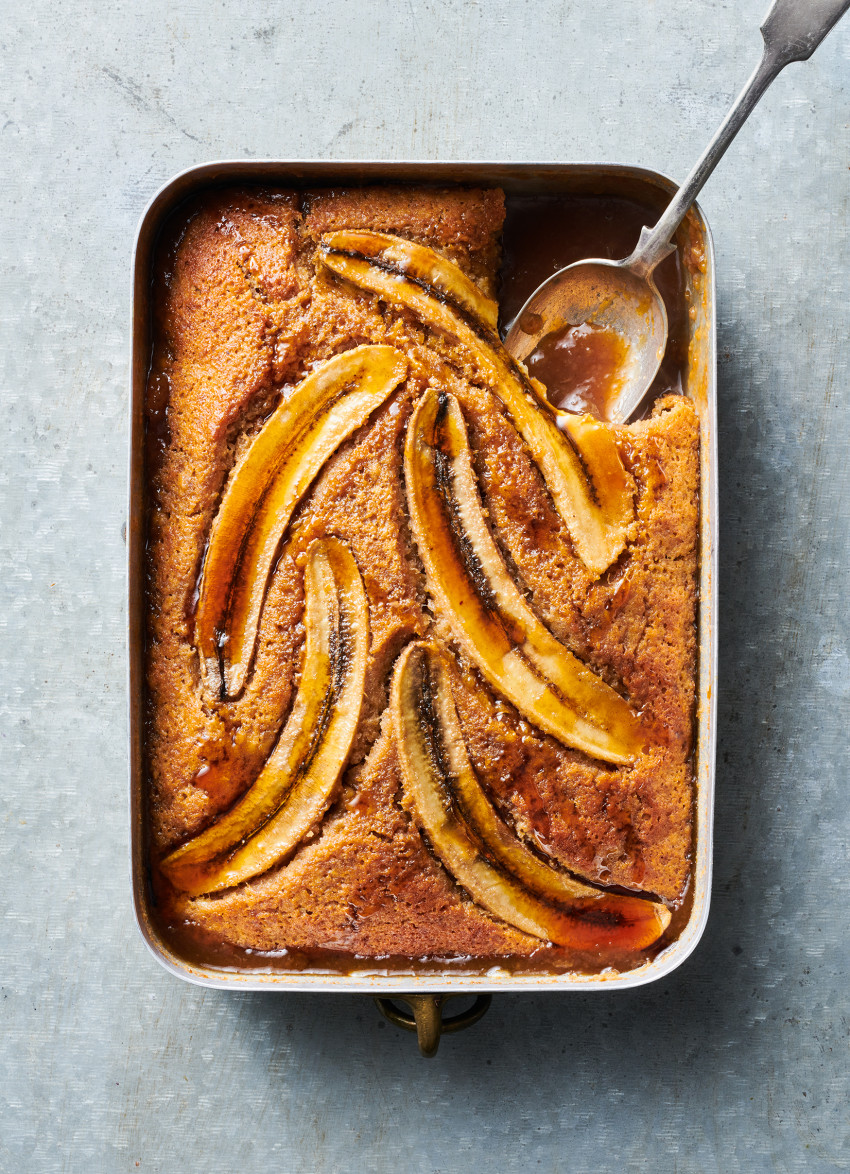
<point>792,30</point>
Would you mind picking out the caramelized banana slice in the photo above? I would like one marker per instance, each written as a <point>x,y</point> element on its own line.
<point>614,487</point>
<point>267,484</point>
<point>501,844</point>
<point>598,540</point>
<point>425,266</point>
<point>299,779</point>
<point>494,625</point>
<point>440,785</point>
<point>599,703</point>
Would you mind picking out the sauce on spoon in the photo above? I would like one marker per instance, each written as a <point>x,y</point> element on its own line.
<point>582,366</point>
<point>543,234</point>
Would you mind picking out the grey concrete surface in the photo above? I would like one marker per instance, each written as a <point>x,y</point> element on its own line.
<point>739,1061</point>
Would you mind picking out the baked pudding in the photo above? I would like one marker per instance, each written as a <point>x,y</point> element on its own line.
<point>420,653</point>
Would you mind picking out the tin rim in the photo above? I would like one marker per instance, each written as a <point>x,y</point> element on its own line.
<point>513,177</point>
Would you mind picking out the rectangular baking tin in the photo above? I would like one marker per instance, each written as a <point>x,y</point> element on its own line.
<point>522,179</point>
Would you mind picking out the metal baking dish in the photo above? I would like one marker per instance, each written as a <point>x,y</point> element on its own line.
<point>426,993</point>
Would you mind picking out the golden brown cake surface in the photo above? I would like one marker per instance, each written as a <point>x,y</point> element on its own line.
<point>243,314</point>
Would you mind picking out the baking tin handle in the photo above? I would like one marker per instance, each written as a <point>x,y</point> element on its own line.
<point>427,1018</point>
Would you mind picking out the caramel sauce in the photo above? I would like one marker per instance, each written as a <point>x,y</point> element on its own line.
<point>157,430</point>
<point>543,234</point>
<point>214,778</point>
<point>199,948</point>
<point>580,367</point>
<point>622,592</point>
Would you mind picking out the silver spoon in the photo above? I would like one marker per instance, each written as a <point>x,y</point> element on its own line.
<point>620,296</point>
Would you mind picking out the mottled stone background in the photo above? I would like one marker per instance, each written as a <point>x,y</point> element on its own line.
<point>738,1062</point>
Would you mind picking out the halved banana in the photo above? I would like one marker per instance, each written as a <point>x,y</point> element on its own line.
<point>299,779</point>
<point>491,620</point>
<point>425,266</point>
<point>264,489</point>
<point>501,844</point>
<point>599,454</point>
<point>598,536</point>
<point>476,847</point>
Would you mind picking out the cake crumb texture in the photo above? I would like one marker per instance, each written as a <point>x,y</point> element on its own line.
<point>242,315</point>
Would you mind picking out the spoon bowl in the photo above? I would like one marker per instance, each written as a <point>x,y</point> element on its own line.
<point>620,306</point>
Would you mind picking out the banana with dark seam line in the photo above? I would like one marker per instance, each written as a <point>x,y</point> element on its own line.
<point>597,522</point>
<point>300,777</point>
<point>283,461</point>
<point>470,584</point>
<point>476,847</point>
